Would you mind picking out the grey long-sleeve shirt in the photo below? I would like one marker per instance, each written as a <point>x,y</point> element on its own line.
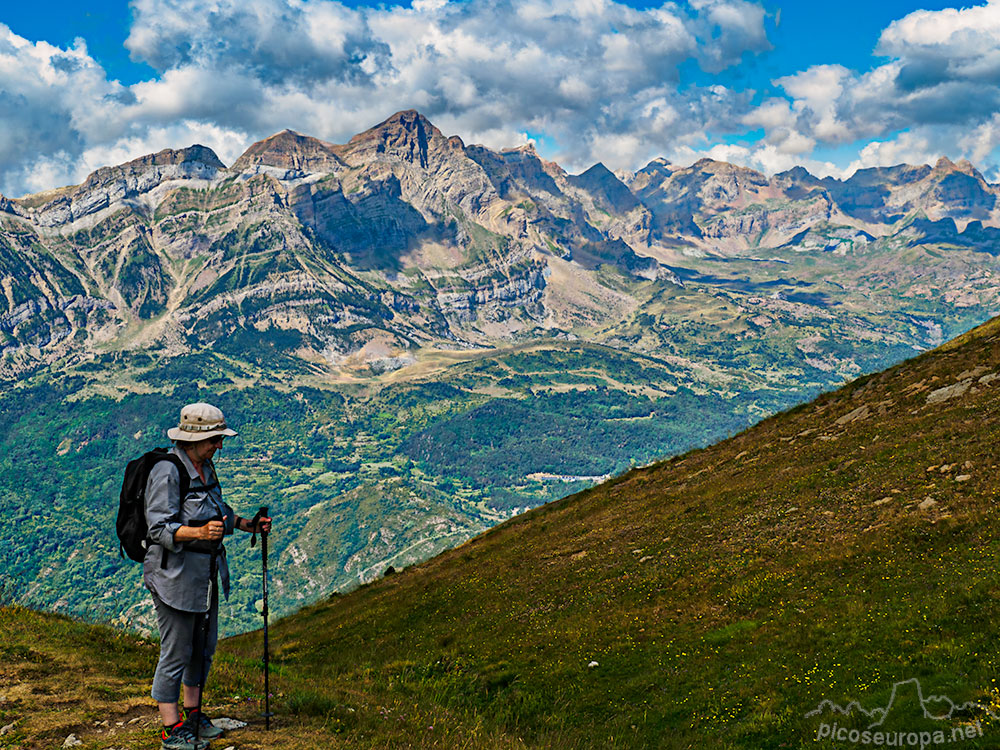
<point>184,582</point>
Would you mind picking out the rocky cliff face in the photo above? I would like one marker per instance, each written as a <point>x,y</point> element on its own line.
<point>408,236</point>
<point>126,186</point>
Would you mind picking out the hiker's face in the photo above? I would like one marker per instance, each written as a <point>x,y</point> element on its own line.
<point>205,449</point>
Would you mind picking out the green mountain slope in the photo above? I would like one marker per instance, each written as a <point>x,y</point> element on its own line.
<point>361,476</point>
<point>825,554</point>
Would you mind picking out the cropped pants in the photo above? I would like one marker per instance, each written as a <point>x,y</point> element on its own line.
<point>182,646</point>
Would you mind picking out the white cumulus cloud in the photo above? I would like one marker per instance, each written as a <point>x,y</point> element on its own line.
<point>937,94</point>
<point>596,79</point>
<point>583,73</point>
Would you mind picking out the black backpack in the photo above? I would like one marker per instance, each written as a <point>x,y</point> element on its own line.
<point>131,523</point>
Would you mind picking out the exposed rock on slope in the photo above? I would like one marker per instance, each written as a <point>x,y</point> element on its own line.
<point>290,152</point>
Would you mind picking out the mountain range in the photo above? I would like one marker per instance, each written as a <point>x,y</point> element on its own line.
<point>404,239</point>
<point>418,338</point>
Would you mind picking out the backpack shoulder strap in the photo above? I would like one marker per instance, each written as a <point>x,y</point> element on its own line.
<point>162,454</point>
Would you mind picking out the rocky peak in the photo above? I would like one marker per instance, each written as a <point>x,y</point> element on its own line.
<point>798,174</point>
<point>651,175</point>
<point>708,165</point>
<point>958,191</point>
<point>407,119</point>
<point>887,194</point>
<point>134,183</point>
<point>625,175</point>
<point>896,175</point>
<point>527,152</point>
<point>658,165</point>
<point>606,189</point>
<point>407,135</point>
<point>964,165</point>
<point>717,182</point>
<point>8,206</point>
<point>196,154</point>
<point>598,172</point>
<point>193,160</point>
<point>724,168</point>
<point>290,151</point>
<point>944,164</point>
<point>530,170</point>
<point>796,182</point>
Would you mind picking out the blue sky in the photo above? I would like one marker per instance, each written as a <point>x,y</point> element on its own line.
<point>850,30</point>
<point>832,87</point>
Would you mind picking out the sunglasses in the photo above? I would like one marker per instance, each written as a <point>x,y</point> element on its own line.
<point>217,440</point>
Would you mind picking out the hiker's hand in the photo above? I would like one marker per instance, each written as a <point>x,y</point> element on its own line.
<point>213,530</point>
<point>260,525</point>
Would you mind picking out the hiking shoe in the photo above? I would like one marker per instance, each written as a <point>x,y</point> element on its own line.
<point>208,730</point>
<point>182,738</point>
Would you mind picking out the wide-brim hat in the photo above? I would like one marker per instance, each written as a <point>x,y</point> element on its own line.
<point>200,422</point>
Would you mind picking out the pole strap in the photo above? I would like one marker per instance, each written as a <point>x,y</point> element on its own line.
<point>253,524</point>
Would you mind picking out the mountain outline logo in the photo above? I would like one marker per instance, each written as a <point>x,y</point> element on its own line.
<point>879,714</point>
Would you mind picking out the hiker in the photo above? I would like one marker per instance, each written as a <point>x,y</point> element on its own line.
<point>185,547</point>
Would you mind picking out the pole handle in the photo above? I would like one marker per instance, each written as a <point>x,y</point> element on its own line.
<point>262,513</point>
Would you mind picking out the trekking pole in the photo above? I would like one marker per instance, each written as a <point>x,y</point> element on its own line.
<point>262,513</point>
<point>206,627</point>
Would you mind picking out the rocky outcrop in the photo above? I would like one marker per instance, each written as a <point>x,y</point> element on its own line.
<point>289,154</point>
<point>7,206</point>
<point>124,186</point>
<point>796,183</point>
<point>885,195</point>
<point>607,191</point>
<point>958,191</point>
<point>771,223</point>
<point>494,297</point>
<point>683,200</point>
<point>407,137</point>
<point>535,176</point>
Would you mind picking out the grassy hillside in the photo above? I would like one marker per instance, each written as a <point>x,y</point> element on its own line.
<point>60,676</point>
<point>723,594</point>
<point>825,554</point>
